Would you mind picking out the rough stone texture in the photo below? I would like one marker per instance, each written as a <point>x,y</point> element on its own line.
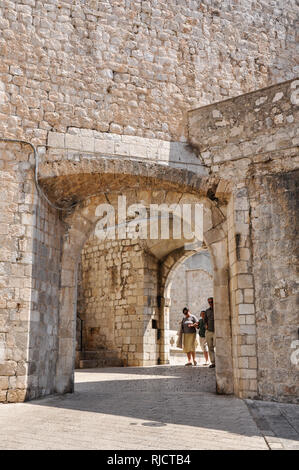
<point>274,201</point>
<point>29,265</point>
<point>117,300</point>
<point>97,144</point>
<point>104,95</point>
<point>254,130</point>
<point>135,67</point>
<point>260,156</point>
<point>44,314</point>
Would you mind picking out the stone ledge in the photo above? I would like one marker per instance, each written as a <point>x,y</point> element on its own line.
<point>176,154</point>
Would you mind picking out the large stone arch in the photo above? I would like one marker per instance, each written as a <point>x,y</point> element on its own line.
<point>68,182</point>
<point>150,184</point>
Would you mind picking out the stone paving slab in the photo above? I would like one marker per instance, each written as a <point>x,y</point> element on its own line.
<point>133,408</point>
<point>278,422</point>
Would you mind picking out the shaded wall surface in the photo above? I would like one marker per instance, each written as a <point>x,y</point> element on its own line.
<point>117,300</point>
<point>275,224</point>
<point>29,280</point>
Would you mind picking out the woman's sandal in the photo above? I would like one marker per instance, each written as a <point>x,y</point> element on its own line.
<point>195,363</point>
<point>188,364</point>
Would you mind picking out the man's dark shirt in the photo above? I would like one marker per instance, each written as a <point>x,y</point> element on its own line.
<point>201,327</point>
<point>209,319</point>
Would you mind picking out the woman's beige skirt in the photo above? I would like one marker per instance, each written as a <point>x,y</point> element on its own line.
<point>189,342</point>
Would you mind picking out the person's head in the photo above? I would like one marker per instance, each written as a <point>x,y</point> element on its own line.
<point>210,301</point>
<point>186,311</point>
<point>202,314</point>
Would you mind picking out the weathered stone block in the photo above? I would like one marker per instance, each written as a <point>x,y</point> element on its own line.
<point>248,350</point>
<point>56,139</point>
<point>246,309</point>
<point>73,141</point>
<point>16,396</point>
<point>245,281</point>
<point>8,368</point>
<point>3,383</point>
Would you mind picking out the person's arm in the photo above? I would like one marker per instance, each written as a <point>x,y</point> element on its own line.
<point>195,322</point>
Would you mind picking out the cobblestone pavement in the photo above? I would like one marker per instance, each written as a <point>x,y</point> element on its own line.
<point>140,408</point>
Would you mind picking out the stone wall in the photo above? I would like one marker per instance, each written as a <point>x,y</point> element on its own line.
<point>117,300</point>
<point>68,146</point>
<point>29,280</point>
<point>253,141</point>
<point>191,286</point>
<point>98,87</point>
<point>254,130</point>
<point>44,317</point>
<point>275,225</point>
<point>134,67</point>
<point>15,268</point>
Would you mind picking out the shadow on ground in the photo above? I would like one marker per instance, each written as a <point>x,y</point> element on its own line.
<point>158,396</point>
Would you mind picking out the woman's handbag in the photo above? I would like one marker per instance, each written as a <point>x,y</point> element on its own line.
<point>179,343</point>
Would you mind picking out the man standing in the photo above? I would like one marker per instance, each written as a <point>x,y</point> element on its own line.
<point>210,330</point>
<point>202,336</point>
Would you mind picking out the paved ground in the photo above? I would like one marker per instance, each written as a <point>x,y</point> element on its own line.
<point>146,408</point>
<point>177,357</point>
<point>278,423</point>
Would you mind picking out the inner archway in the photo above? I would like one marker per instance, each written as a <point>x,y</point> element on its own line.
<point>118,316</point>
<point>190,286</point>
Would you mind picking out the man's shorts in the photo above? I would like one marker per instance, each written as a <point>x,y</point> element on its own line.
<point>203,344</point>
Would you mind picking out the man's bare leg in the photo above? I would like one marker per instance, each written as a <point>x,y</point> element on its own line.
<point>193,357</point>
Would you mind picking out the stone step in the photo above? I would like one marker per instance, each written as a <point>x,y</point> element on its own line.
<point>102,358</point>
<point>87,364</point>
<point>100,354</point>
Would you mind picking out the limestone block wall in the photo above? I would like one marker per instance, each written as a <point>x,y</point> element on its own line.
<point>191,287</point>
<point>135,67</point>
<point>29,280</point>
<point>274,202</point>
<point>253,129</point>
<point>117,300</point>
<point>151,342</point>
<point>66,146</point>
<point>44,317</point>
<point>243,320</point>
<point>253,141</point>
<point>15,267</point>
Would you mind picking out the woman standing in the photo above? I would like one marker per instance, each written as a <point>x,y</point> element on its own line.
<point>189,336</point>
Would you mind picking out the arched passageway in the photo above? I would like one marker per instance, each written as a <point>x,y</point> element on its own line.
<point>81,223</point>
<point>190,286</point>
<point>85,185</point>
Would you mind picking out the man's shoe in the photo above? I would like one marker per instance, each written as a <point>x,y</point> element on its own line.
<point>211,366</point>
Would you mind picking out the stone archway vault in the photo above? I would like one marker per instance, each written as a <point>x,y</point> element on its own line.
<point>152,184</point>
